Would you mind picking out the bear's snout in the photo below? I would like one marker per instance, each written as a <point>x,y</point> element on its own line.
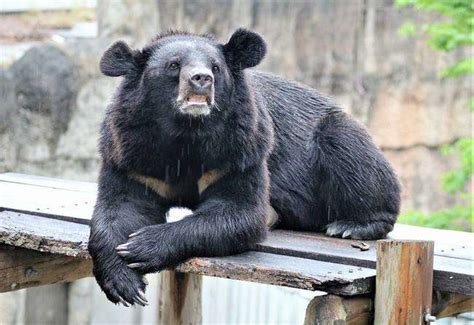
<point>196,91</point>
<point>201,79</point>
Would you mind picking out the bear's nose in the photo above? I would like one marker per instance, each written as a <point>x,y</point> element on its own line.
<point>201,80</point>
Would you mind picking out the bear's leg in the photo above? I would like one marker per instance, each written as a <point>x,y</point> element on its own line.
<point>123,206</point>
<point>229,220</point>
<point>356,187</point>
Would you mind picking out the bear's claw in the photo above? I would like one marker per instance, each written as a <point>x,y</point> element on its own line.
<point>352,230</point>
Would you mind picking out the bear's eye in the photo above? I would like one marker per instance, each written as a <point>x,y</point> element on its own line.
<point>215,68</point>
<point>174,65</point>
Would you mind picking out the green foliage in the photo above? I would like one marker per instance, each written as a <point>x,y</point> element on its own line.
<point>455,30</point>
<point>455,181</point>
<point>459,69</point>
<point>407,29</point>
<point>459,217</point>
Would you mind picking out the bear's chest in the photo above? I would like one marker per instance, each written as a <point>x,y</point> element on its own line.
<point>185,192</point>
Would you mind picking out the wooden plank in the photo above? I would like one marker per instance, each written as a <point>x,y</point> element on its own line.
<point>68,238</point>
<point>448,243</point>
<point>319,246</point>
<point>330,309</point>
<point>44,234</point>
<point>451,304</point>
<point>285,271</point>
<point>180,298</point>
<point>404,283</point>
<point>453,270</point>
<point>22,268</point>
<point>41,181</point>
<point>52,202</point>
<point>439,236</point>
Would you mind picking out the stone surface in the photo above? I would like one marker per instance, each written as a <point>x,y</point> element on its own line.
<point>420,169</point>
<point>134,21</point>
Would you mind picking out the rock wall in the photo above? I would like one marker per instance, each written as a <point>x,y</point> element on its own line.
<point>349,50</point>
<point>52,99</point>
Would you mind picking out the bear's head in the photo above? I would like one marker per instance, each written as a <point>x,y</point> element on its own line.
<point>182,76</point>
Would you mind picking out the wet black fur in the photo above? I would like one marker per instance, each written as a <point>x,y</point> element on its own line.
<point>280,142</point>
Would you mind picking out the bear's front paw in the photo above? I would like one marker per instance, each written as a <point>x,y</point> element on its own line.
<point>122,285</point>
<point>147,251</point>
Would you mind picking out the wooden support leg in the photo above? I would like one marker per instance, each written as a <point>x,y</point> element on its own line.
<point>404,282</point>
<point>180,299</point>
<point>330,309</point>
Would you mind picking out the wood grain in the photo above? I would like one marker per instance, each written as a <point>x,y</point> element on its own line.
<point>23,268</point>
<point>55,183</point>
<point>56,203</point>
<point>453,264</point>
<point>68,238</point>
<point>179,302</point>
<point>451,304</point>
<point>286,271</point>
<point>44,234</point>
<point>43,199</point>
<point>330,309</point>
<point>404,282</point>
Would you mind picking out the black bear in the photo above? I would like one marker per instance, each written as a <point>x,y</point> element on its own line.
<point>191,126</point>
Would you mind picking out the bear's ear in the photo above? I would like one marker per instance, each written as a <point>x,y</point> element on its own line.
<point>118,60</point>
<point>245,49</point>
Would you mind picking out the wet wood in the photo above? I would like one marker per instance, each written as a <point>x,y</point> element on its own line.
<point>404,282</point>
<point>57,203</point>
<point>44,234</point>
<point>55,183</point>
<point>330,309</point>
<point>453,264</point>
<point>179,301</point>
<point>23,268</point>
<point>42,198</point>
<point>451,304</point>
<point>68,238</point>
<point>286,271</point>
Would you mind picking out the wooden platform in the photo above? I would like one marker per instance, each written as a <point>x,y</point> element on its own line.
<point>44,232</point>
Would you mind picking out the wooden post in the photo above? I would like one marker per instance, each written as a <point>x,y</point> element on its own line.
<point>404,283</point>
<point>331,309</point>
<point>180,299</point>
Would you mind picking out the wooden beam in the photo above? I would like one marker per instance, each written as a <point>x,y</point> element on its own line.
<point>451,304</point>
<point>180,298</point>
<point>331,309</point>
<point>22,268</point>
<point>404,281</point>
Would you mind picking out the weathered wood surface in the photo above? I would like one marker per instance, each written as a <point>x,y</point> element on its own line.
<point>58,203</point>
<point>53,236</point>
<point>330,309</point>
<point>44,234</point>
<point>179,302</point>
<point>286,271</point>
<point>450,304</point>
<point>404,283</point>
<point>453,263</point>
<point>56,183</point>
<point>22,268</point>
